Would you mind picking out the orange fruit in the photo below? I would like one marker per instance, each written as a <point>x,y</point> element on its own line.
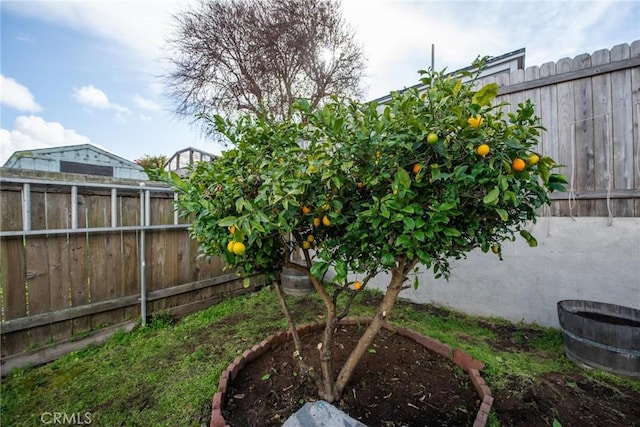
<point>483,150</point>
<point>306,210</point>
<point>357,285</point>
<point>310,238</point>
<point>432,138</point>
<point>416,168</point>
<point>518,165</point>
<point>232,229</point>
<point>238,248</point>
<point>306,245</point>
<point>495,249</point>
<point>230,245</point>
<point>361,184</point>
<point>316,222</point>
<point>533,159</point>
<point>326,221</point>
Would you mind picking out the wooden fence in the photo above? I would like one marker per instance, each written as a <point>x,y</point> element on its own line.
<point>81,253</point>
<point>590,107</point>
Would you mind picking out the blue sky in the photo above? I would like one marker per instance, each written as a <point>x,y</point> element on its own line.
<point>88,71</point>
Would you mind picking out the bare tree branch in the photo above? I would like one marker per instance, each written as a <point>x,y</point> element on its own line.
<point>260,56</point>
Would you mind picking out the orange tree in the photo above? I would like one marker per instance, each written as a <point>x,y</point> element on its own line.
<point>365,188</point>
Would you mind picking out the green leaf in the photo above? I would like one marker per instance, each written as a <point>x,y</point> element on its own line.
<point>371,351</point>
<point>409,224</point>
<point>228,221</point>
<point>341,270</point>
<point>387,259</point>
<point>416,283</point>
<point>502,183</point>
<point>485,95</point>
<point>239,204</point>
<point>265,377</point>
<point>403,177</point>
<point>529,238</point>
<point>246,282</point>
<point>452,232</point>
<point>492,197</point>
<point>503,214</point>
<point>318,269</point>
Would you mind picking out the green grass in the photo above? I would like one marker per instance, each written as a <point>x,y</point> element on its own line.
<point>165,374</point>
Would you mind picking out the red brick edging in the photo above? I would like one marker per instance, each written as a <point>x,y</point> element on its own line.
<point>471,366</point>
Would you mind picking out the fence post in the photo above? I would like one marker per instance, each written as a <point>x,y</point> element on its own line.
<point>143,285</point>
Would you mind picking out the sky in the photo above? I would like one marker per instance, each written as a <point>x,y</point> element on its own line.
<point>90,71</point>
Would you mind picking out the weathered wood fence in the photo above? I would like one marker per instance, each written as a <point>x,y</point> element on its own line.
<point>80,253</point>
<point>590,107</point>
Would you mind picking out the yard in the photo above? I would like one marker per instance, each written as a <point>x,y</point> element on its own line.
<point>165,374</point>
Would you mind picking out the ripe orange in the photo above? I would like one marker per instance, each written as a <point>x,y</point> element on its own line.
<point>432,138</point>
<point>533,159</point>
<point>483,150</point>
<point>306,245</point>
<point>326,221</point>
<point>361,184</point>
<point>316,222</point>
<point>518,165</point>
<point>306,210</point>
<point>230,245</point>
<point>357,285</point>
<point>416,168</point>
<point>238,248</point>
<point>310,238</point>
<point>232,229</point>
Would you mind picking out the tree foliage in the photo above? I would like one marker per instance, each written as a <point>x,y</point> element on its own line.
<point>260,56</point>
<point>378,187</point>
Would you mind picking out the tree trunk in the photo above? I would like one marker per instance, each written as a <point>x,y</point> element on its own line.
<point>395,286</point>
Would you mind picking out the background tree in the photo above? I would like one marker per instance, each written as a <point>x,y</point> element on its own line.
<point>260,56</point>
<point>151,164</point>
<point>423,180</point>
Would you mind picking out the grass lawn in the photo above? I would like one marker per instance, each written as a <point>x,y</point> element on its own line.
<point>166,374</point>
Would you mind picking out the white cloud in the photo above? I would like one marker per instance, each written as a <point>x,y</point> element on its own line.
<point>145,104</point>
<point>15,95</point>
<point>95,98</point>
<point>33,132</point>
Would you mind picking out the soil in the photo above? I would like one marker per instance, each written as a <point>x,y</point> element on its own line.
<point>399,383</point>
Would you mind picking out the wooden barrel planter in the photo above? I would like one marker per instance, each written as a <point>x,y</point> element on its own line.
<point>295,282</point>
<point>602,336</point>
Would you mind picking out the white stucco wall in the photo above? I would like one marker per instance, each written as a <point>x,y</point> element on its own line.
<point>581,258</point>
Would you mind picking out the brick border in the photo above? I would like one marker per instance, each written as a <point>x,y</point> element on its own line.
<point>460,358</point>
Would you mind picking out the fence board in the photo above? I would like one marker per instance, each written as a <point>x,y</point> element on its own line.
<point>565,140</point>
<point>38,290</point>
<point>635,101</point>
<point>583,134</point>
<point>622,130</point>
<point>549,104</point>
<point>601,86</point>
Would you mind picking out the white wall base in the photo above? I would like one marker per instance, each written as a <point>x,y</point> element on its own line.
<point>581,258</point>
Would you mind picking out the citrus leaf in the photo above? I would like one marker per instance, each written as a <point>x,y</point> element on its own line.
<point>485,95</point>
<point>319,268</point>
<point>403,177</point>
<point>492,197</point>
<point>503,214</point>
<point>265,377</point>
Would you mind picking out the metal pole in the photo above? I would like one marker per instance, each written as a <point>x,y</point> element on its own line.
<point>26,207</point>
<point>433,56</point>
<point>114,207</point>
